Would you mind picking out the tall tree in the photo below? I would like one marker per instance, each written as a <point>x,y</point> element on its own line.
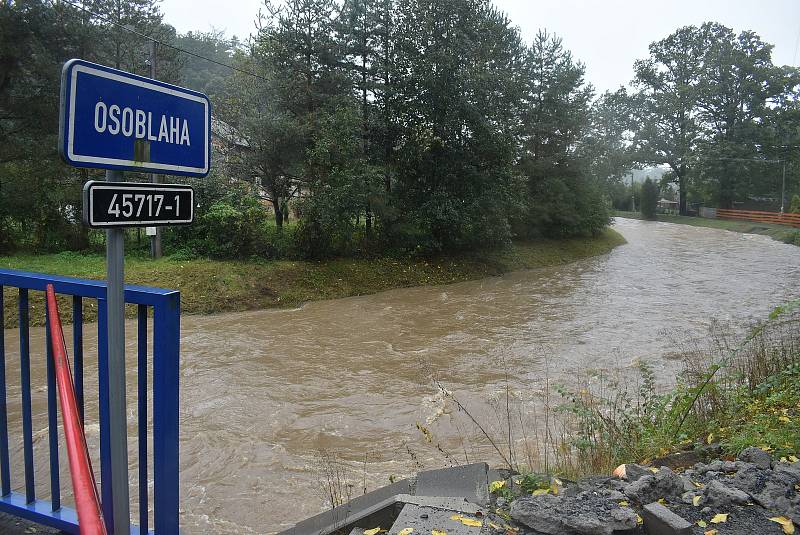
<point>738,85</point>
<point>668,83</point>
<point>562,198</point>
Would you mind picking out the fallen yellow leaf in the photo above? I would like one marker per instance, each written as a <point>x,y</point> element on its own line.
<point>784,419</point>
<point>792,459</point>
<point>719,518</point>
<point>639,519</point>
<point>494,486</point>
<point>702,523</point>
<point>540,492</point>
<point>698,485</point>
<point>696,501</point>
<point>494,526</point>
<point>373,531</point>
<point>467,521</point>
<point>710,532</point>
<point>710,438</point>
<point>623,503</point>
<point>438,532</point>
<point>786,524</point>
<point>654,470</point>
<point>662,501</point>
<point>405,531</point>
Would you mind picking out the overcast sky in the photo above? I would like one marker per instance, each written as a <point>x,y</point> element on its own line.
<point>606,35</point>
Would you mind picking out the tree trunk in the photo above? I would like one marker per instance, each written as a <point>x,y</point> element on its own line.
<point>276,205</point>
<point>682,205</point>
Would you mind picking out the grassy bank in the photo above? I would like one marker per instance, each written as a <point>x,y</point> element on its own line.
<point>209,286</point>
<point>776,232</point>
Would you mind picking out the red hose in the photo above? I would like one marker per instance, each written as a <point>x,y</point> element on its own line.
<point>87,501</point>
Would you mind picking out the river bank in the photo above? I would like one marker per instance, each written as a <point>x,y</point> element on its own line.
<point>717,454</point>
<point>213,286</point>
<point>780,233</point>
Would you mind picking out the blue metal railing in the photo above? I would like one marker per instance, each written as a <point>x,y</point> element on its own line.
<point>165,305</point>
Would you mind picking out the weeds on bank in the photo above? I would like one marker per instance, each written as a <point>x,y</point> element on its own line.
<point>737,395</point>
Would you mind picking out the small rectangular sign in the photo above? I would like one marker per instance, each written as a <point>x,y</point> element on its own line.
<point>112,119</point>
<point>131,204</point>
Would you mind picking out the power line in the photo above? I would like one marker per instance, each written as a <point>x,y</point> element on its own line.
<point>162,43</point>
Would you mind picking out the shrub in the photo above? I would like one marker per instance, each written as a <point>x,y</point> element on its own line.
<point>649,199</point>
<point>795,206</point>
<point>567,206</point>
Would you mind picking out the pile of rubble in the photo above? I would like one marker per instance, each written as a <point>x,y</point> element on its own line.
<point>752,495</point>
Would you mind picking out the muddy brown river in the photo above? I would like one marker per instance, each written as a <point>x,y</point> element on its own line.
<point>272,401</point>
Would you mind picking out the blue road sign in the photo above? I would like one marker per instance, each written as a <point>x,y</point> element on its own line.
<point>113,119</point>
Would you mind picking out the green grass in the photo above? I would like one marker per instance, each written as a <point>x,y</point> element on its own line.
<point>211,286</point>
<point>780,233</point>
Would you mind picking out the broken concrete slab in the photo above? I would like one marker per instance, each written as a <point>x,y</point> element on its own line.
<point>658,520</point>
<point>372,508</point>
<point>423,520</point>
<point>470,482</point>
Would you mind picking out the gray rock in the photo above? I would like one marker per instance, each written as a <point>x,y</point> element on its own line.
<point>663,484</point>
<point>634,472</point>
<point>616,484</point>
<point>699,468</point>
<point>790,469</point>
<point>587,513</point>
<point>756,456</point>
<point>729,466</point>
<point>658,520</point>
<point>688,497</point>
<point>716,466</point>
<point>688,486</point>
<point>706,510</point>
<point>613,495</point>
<point>741,465</point>
<point>719,495</point>
<point>770,489</point>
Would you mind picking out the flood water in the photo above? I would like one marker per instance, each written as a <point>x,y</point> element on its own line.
<point>267,395</point>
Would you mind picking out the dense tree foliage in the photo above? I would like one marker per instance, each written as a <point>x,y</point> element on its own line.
<point>712,106</point>
<point>349,126</point>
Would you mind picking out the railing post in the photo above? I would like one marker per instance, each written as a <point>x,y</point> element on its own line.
<point>25,379</point>
<point>5,472</point>
<point>166,398</point>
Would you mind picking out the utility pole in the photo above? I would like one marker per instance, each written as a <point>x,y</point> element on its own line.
<point>783,188</point>
<point>155,239</point>
<point>633,196</point>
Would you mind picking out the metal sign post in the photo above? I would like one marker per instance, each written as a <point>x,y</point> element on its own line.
<point>115,296</point>
<point>114,120</point>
